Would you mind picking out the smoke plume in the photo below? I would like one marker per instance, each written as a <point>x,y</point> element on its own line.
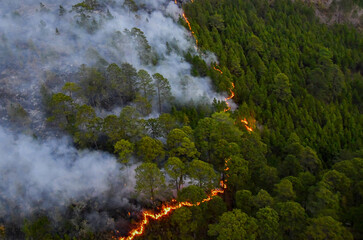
<point>49,174</point>
<point>36,38</point>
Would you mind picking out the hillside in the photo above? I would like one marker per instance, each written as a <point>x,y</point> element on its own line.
<point>204,119</point>
<point>339,11</point>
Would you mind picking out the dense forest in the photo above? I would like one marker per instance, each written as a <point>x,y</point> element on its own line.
<point>290,153</point>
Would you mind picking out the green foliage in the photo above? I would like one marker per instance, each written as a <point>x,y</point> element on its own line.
<point>244,201</point>
<point>284,190</point>
<point>292,219</point>
<point>327,228</point>
<point>268,223</point>
<point>176,170</point>
<point>150,150</point>
<point>163,90</point>
<point>150,181</point>
<point>181,145</point>
<point>124,149</point>
<point>263,199</point>
<point>182,219</point>
<point>234,225</point>
<point>203,173</point>
<point>191,194</point>
<point>38,229</point>
<point>297,82</point>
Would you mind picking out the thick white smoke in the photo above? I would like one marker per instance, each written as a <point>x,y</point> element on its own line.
<point>50,173</point>
<point>36,38</point>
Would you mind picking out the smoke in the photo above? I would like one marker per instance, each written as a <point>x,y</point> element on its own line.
<point>39,37</point>
<point>51,173</point>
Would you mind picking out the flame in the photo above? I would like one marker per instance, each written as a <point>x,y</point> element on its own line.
<point>190,28</point>
<point>223,183</point>
<point>214,67</point>
<point>166,210</point>
<point>228,98</point>
<point>246,123</point>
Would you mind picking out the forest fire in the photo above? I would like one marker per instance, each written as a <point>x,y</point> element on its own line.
<point>245,122</point>
<point>165,211</point>
<point>218,70</point>
<point>190,28</point>
<point>228,98</point>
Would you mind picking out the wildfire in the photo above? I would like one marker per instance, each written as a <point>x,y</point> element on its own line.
<point>165,210</point>
<point>218,70</point>
<point>228,98</point>
<point>190,28</point>
<point>245,122</point>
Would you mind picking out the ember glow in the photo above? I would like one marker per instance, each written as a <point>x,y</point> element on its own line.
<point>190,28</point>
<point>165,211</point>
<point>246,124</point>
<point>218,70</point>
<point>228,98</point>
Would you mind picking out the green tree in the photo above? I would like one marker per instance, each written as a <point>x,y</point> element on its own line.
<point>132,126</point>
<point>150,181</point>
<point>281,87</point>
<point>176,170</point>
<point>310,161</point>
<point>234,225</point>
<point>180,145</point>
<point>62,111</point>
<point>191,194</point>
<point>244,201</point>
<point>131,5</point>
<point>38,229</point>
<point>163,89</point>
<point>130,80</point>
<point>150,149</point>
<point>87,125</point>
<point>237,173</point>
<point>292,219</point>
<point>182,218</point>
<point>263,199</point>
<point>147,87</point>
<point>284,190</point>
<point>323,202</point>
<point>71,88</point>
<point>268,224</point>
<point>124,149</point>
<point>143,105</point>
<point>94,87</point>
<point>327,228</point>
<point>203,173</point>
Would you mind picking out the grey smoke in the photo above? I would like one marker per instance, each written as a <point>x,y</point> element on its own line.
<point>51,173</point>
<point>28,36</point>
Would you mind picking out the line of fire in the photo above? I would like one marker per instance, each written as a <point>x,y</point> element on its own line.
<point>167,208</point>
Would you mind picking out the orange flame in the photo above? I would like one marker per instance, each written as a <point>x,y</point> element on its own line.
<point>228,98</point>
<point>190,28</point>
<point>165,210</point>
<point>245,122</point>
<point>218,70</point>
